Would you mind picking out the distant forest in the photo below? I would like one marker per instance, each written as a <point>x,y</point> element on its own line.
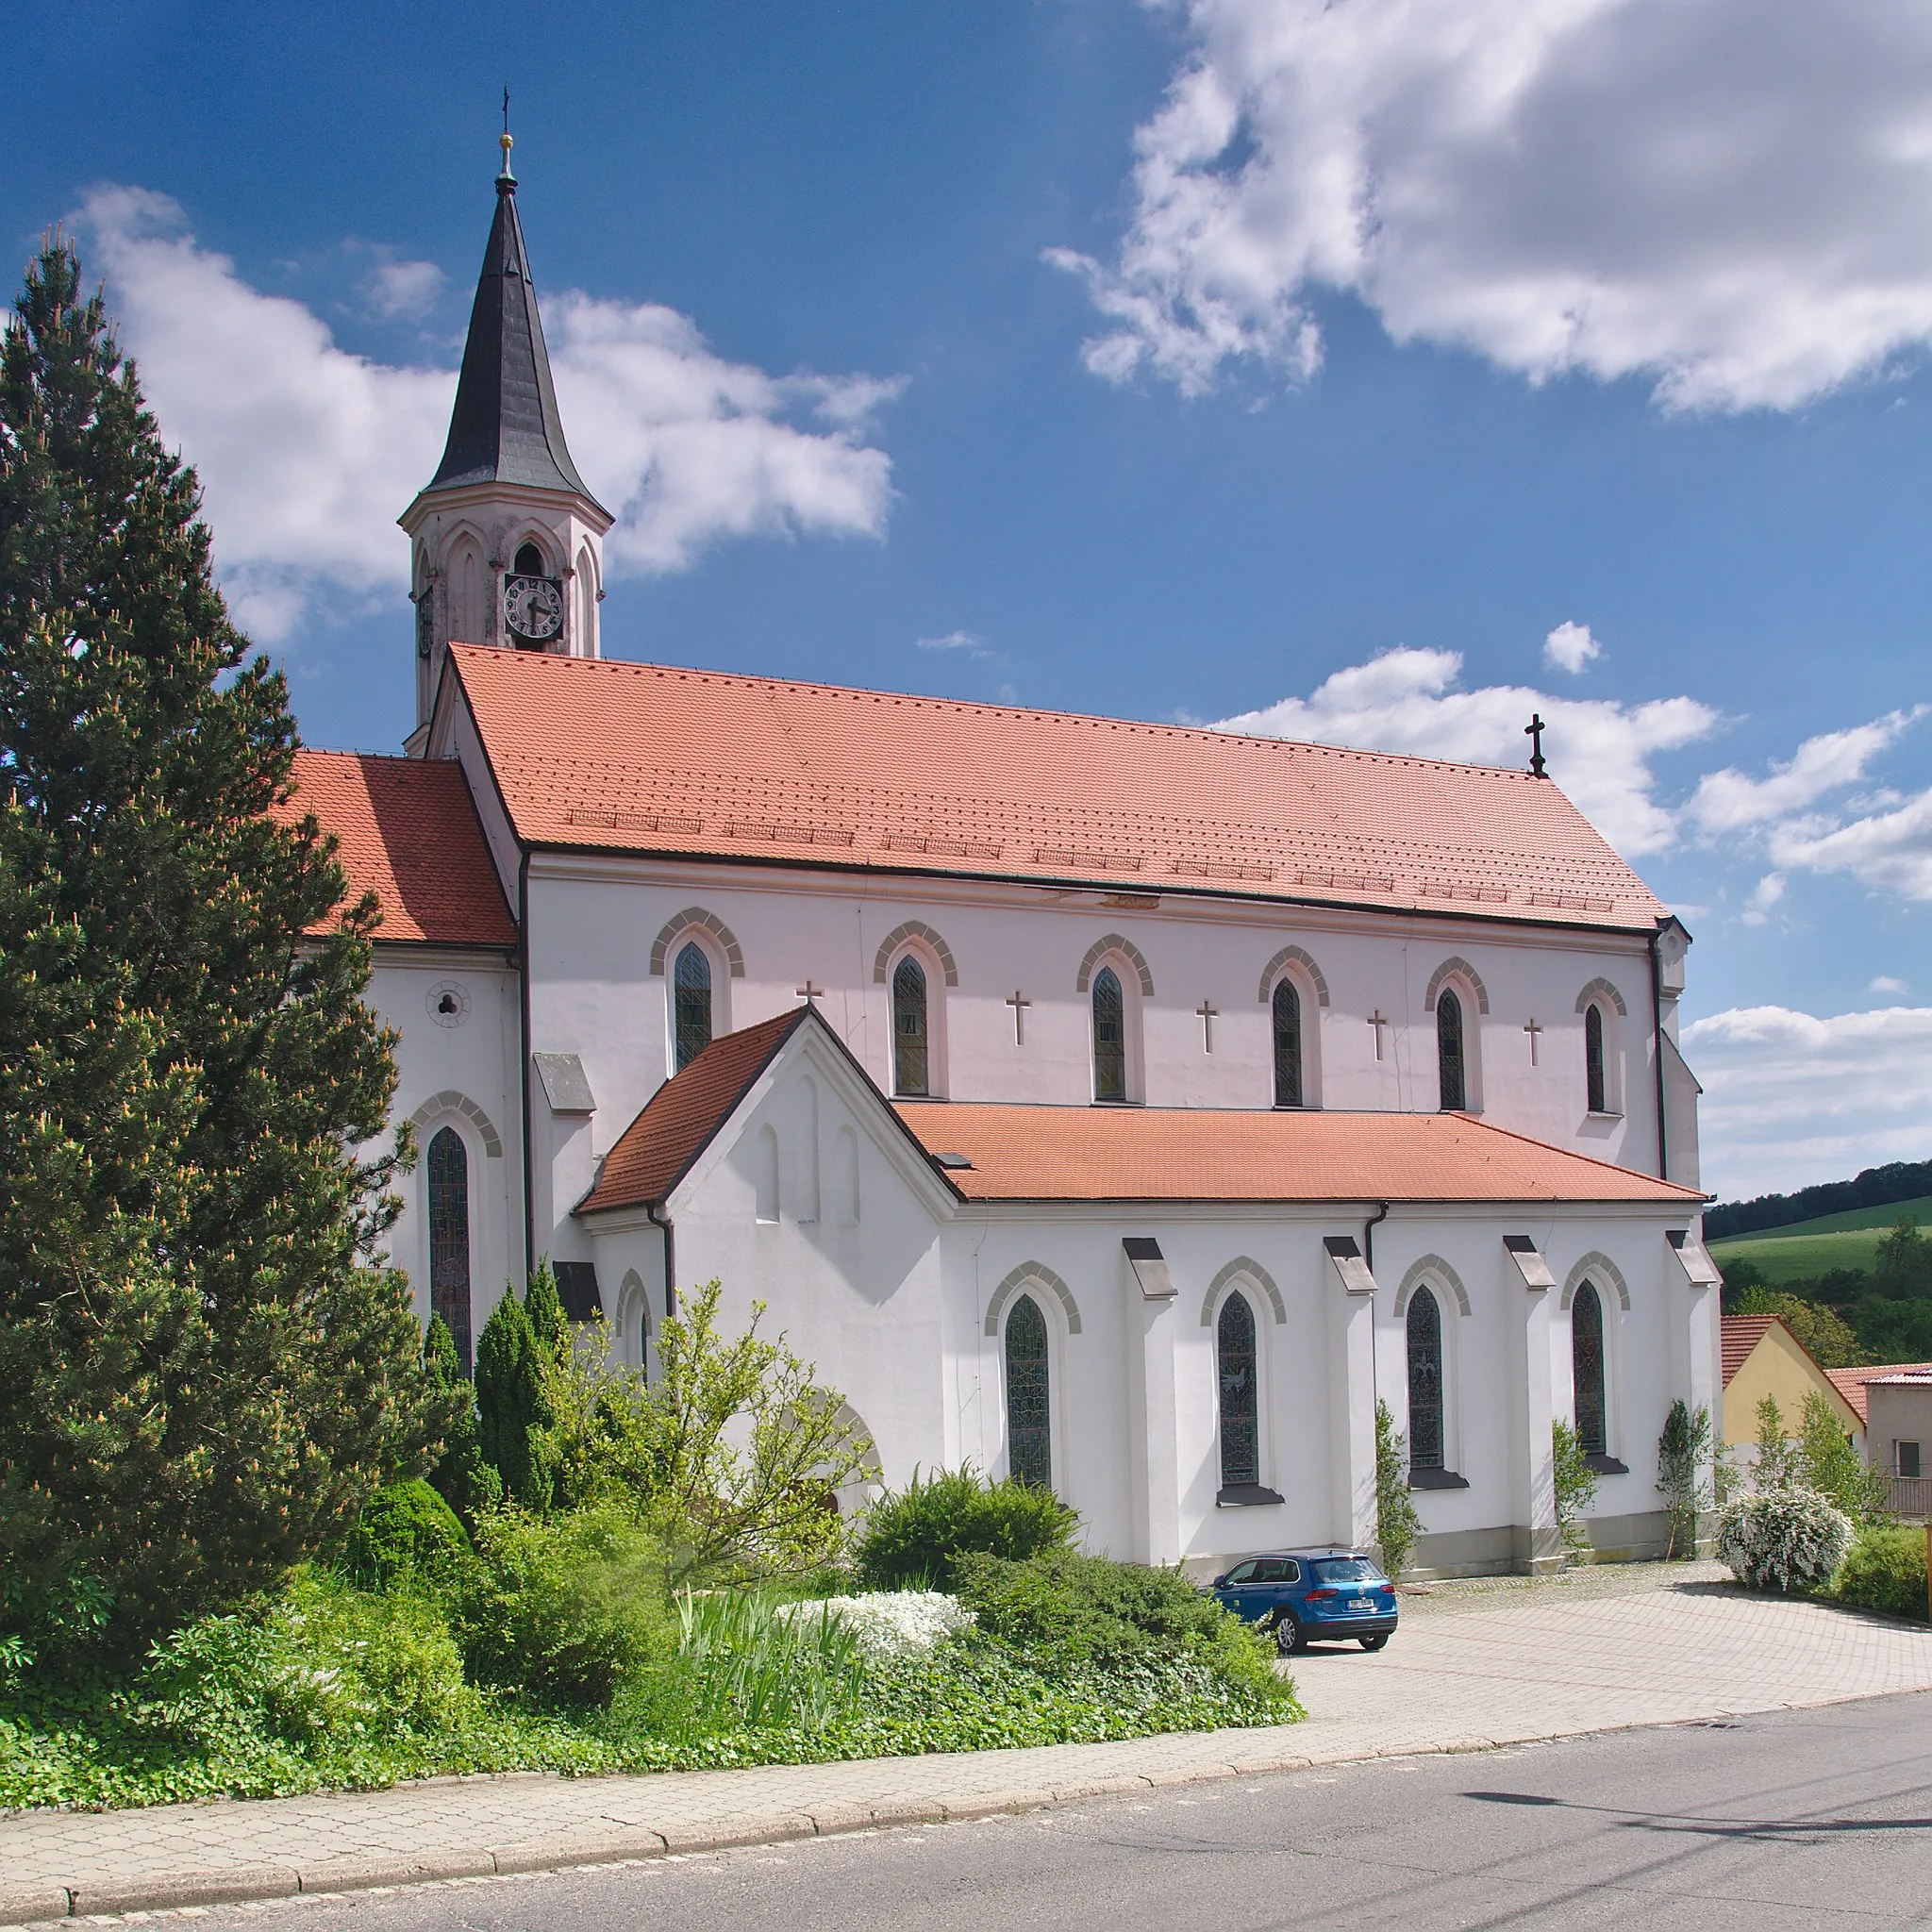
<point>1900,1181</point>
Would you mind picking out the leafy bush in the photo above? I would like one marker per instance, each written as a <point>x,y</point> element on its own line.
<point>407,1536</point>
<point>1397,1524</point>
<point>1833,1468</point>
<point>1684,1478</point>
<point>1062,1611</point>
<point>565,1607</point>
<point>1575,1483</point>
<point>915,1539</point>
<point>1785,1538</point>
<point>1886,1571</point>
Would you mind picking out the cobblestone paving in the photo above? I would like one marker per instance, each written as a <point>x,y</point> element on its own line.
<point>1473,1666</point>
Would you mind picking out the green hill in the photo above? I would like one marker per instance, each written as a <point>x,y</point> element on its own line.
<point>1811,1248</point>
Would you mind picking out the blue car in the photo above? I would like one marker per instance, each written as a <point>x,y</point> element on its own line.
<point>1306,1597</point>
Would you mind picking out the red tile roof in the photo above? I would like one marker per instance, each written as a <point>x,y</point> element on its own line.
<point>408,829</point>
<point>640,757</point>
<point>1850,1383</point>
<point>1200,1154</point>
<point>1741,1334</point>
<point>654,1152</point>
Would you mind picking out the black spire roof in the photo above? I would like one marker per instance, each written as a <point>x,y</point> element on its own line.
<point>505,427</point>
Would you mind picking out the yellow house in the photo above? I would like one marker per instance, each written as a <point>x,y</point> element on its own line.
<point>1761,1356</point>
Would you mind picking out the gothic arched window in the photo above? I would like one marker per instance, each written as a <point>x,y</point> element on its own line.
<point>1593,1057</point>
<point>529,561</point>
<point>909,1057</point>
<point>1449,1053</point>
<point>1109,1037</point>
<point>1241,1434</point>
<point>691,995</point>
<point>449,1236</point>
<point>1029,1414</point>
<point>1287,1044</point>
<point>1425,1380</point>
<point>1587,1369</point>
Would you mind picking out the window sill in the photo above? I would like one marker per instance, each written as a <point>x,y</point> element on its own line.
<point>1601,1114</point>
<point>1246,1496</point>
<point>1459,1109</point>
<point>1116,1103</point>
<point>1605,1465</point>
<point>1300,1106</point>
<point>1437,1479</point>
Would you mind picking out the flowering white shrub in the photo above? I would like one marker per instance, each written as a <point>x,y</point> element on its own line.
<point>1783,1539</point>
<point>892,1623</point>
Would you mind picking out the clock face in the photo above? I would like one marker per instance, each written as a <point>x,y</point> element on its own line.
<point>534,607</point>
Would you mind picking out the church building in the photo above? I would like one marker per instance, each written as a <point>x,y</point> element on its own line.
<point>1127,1106</point>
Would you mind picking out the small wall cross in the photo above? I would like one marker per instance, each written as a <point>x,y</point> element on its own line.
<point>1378,1020</point>
<point>1535,1033</point>
<point>1208,1010</point>
<point>1019,1004</point>
<point>810,994</point>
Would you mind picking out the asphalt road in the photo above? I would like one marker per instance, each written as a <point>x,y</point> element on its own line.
<point>1808,1817</point>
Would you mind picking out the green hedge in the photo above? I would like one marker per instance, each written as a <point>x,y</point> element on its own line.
<point>1886,1571</point>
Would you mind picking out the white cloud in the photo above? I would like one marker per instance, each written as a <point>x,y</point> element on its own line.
<point>404,291</point>
<point>1728,801</point>
<point>307,452</point>
<point>1889,851</point>
<point>1885,983</point>
<point>1722,198</point>
<point>1791,1098</point>
<point>1764,895</point>
<point>1569,647</point>
<point>954,640</point>
<point>1404,700</point>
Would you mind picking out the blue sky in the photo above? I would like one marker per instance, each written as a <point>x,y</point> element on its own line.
<point>1245,358</point>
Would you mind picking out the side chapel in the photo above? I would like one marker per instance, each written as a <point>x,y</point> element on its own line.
<point>1127,1106</point>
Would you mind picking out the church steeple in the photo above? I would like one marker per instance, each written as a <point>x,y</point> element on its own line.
<point>507,537</point>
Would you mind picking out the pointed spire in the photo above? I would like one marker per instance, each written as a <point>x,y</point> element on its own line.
<point>505,427</point>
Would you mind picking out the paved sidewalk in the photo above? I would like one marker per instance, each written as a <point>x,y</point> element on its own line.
<point>1472,1667</point>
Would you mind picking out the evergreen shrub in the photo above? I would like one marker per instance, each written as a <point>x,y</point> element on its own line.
<point>1783,1539</point>
<point>407,1538</point>
<point>914,1539</point>
<point>1886,1571</point>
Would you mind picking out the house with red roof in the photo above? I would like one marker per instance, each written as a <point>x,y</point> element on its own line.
<point>1127,1107</point>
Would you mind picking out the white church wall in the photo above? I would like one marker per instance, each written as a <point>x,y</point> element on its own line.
<point>457,1013</point>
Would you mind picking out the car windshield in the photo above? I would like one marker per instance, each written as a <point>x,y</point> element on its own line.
<point>1346,1570</point>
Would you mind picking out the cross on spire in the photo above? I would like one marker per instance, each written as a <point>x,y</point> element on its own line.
<point>506,142</point>
<point>1534,731</point>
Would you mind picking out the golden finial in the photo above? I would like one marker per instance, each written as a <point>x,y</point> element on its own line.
<point>505,141</point>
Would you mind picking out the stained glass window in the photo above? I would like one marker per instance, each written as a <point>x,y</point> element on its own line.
<point>1288,1045</point>
<point>1029,1420</point>
<point>1593,1055</point>
<point>1425,1381</point>
<point>1449,1052</point>
<point>1109,1037</point>
<point>1587,1369</point>
<point>908,1027</point>
<point>449,1236</point>
<point>692,992</point>
<point>1240,1449</point>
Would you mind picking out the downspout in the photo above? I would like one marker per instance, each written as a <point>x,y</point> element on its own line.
<point>1656,1035</point>
<point>669,1261</point>
<point>524,974</point>
<point>1369,1228</point>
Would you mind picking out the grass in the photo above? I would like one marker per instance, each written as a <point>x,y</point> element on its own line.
<point>1808,1249</point>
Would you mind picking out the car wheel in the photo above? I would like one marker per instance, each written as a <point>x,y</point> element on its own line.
<point>1289,1637</point>
<point>1375,1642</point>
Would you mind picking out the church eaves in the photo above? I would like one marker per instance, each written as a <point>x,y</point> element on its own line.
<point>505,428</point>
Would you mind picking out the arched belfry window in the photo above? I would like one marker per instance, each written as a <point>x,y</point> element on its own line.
<point>1425,1380</point>
<point>1451,1060</point>
<point>449,1236</point>
<point>1288,1043</point>
<point>911,1057</point>
<point>1109,1037</point>
<point>1593,1057</point>
<point>1587,1369</point>
<point>692,997</point>
<point>1240,1414</point>
<point>529,561</point>
<point>1029,1410</point>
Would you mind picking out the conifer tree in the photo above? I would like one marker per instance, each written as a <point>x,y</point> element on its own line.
<point>511,1412</point>
<point>204,1369</point>
<point>460,1475</point>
